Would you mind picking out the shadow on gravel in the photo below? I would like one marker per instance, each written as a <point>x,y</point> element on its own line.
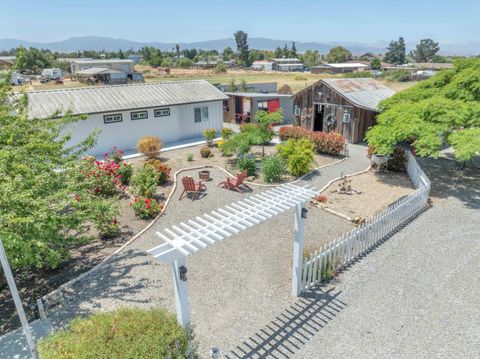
<point>113,280</point>
<point>450,180</point>
<point>289,331</point>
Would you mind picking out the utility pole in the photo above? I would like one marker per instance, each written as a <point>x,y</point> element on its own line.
<point>16,299</point>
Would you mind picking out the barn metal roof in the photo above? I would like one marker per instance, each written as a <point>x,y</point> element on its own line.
<point>363,92</point>
<point>99,70</point>
<point>102,61</point>
<point>258,94</point>
<point>98,99</point>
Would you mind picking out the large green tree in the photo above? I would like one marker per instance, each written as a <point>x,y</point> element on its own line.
<point>32,59</point>
<point>338,54</point>
<point>43,205</point>
<point>311,58</point>
<point>396,52</point>
<point>241,39</point>
<point>425,50</point>
<point>444,109</point>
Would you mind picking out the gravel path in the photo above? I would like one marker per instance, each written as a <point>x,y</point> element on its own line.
<point>235,287</point>
<point>417,295</point>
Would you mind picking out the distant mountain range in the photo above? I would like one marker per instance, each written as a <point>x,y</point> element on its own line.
<point>109,44</point>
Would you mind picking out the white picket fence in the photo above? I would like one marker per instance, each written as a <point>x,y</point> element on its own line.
<point>321,264</point>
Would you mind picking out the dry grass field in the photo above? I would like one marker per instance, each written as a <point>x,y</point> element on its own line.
<point>297,81</point>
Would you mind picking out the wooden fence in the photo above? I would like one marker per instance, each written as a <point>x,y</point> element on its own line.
<point>323,263</point>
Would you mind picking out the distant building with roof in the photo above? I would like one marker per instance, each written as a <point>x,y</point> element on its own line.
<point>174,111</point>
<point>287,64</point>
<point>111,71</point>
<point>6,62</point>
<point>346,105</point>
<point>262,65</point>
<point>339,68</point>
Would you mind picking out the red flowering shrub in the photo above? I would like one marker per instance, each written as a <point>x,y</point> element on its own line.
<point>115,155</point>
<point>321,198</point>
<point>162,169</point>
<point>101,176</point>
<point>145,207</point>
<point>331,143</point>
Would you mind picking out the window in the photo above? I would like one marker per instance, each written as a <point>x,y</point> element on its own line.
<point>262,105</point>
<point>139,115</point>
<point>161,112</point>
<point>117,117</point>
<point>201,114</point>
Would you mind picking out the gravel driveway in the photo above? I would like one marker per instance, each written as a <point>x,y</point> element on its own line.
<point>415,296</point>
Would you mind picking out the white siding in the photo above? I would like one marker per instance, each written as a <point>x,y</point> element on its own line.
<point>188,127</point>
<point>180,125</point>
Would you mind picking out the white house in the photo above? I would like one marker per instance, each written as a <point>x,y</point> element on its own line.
<point>173,111</point>
<point>287,64</point>
<point>262,65</point>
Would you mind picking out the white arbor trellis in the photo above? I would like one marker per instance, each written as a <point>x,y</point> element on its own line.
<point>204,231</point>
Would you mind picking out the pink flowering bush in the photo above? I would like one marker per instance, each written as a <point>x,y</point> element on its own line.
<point>102,176</point>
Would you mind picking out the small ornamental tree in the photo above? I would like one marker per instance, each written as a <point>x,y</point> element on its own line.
<point>209,135</point>
<point>264,122</point>
<point>43,205</point>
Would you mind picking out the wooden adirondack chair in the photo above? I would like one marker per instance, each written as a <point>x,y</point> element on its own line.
<point>190,187</point>
<point>235,182</point>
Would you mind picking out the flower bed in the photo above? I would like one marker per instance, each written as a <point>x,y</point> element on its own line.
<point>331,143</point>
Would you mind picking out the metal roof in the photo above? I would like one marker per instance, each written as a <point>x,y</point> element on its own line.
<point>347,65</point>
<point>257,94</point>
<point>363,92</point>
<point>98,99</point>
<point>99,70</point>
<point>103,61</point>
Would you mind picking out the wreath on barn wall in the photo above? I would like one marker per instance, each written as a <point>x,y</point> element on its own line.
<point>331,121</point>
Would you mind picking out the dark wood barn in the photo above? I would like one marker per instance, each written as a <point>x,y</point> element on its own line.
<point>346,105</point>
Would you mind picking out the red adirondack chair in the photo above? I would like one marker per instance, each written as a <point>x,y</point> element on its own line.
<point>235,182</point>
<point>190,187</point>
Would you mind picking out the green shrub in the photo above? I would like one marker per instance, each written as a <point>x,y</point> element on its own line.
<point>358,74</point>
<point>273,169</point>
<point>298,154</point>
<point>145,207</point>
<point>125,170</point>
<point>190,157</point>
<point>163,170</point>
<point>209,135</point>
<point>104,218</point>
<point>400,75</point>
<point>125,333</point>
<point>227,133</point>
<point>205,152</point>
<point>299,77</point>
<point>247,163</point>
<point>144,181</point>
<point>220,68</point>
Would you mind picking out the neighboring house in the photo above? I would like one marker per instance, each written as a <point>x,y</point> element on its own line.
<point>287,65</point>
<point>173,111</point>
<point>346,105</point>
<point>241,106</point>
<point>212,63</point>
<point>339,68</point>
<point>102,75</point>
<point>135,58</point>
<point>120,65</point>
<point>6,62</point>
<point>262,65</point>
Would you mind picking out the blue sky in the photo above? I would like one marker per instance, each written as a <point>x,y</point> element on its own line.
<point>365,21</point>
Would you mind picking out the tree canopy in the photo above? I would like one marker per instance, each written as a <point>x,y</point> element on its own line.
<point>338,54</point>
<point>396,52</point>
<point>43,205</point>
<point>425,50</point>
<point>241,39</point>
<point>443,109</point>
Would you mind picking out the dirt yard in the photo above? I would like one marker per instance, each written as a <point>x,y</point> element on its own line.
<point>377,191</point>
<point>177,159</point>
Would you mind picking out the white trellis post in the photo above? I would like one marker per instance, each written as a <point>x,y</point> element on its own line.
<point>16,299</point>
<point>205,230</point>
<point>298,241</point>
<point>181,290</point>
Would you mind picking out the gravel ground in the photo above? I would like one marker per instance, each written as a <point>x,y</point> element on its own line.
<point>417,295</point>
<point>235,287</point>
